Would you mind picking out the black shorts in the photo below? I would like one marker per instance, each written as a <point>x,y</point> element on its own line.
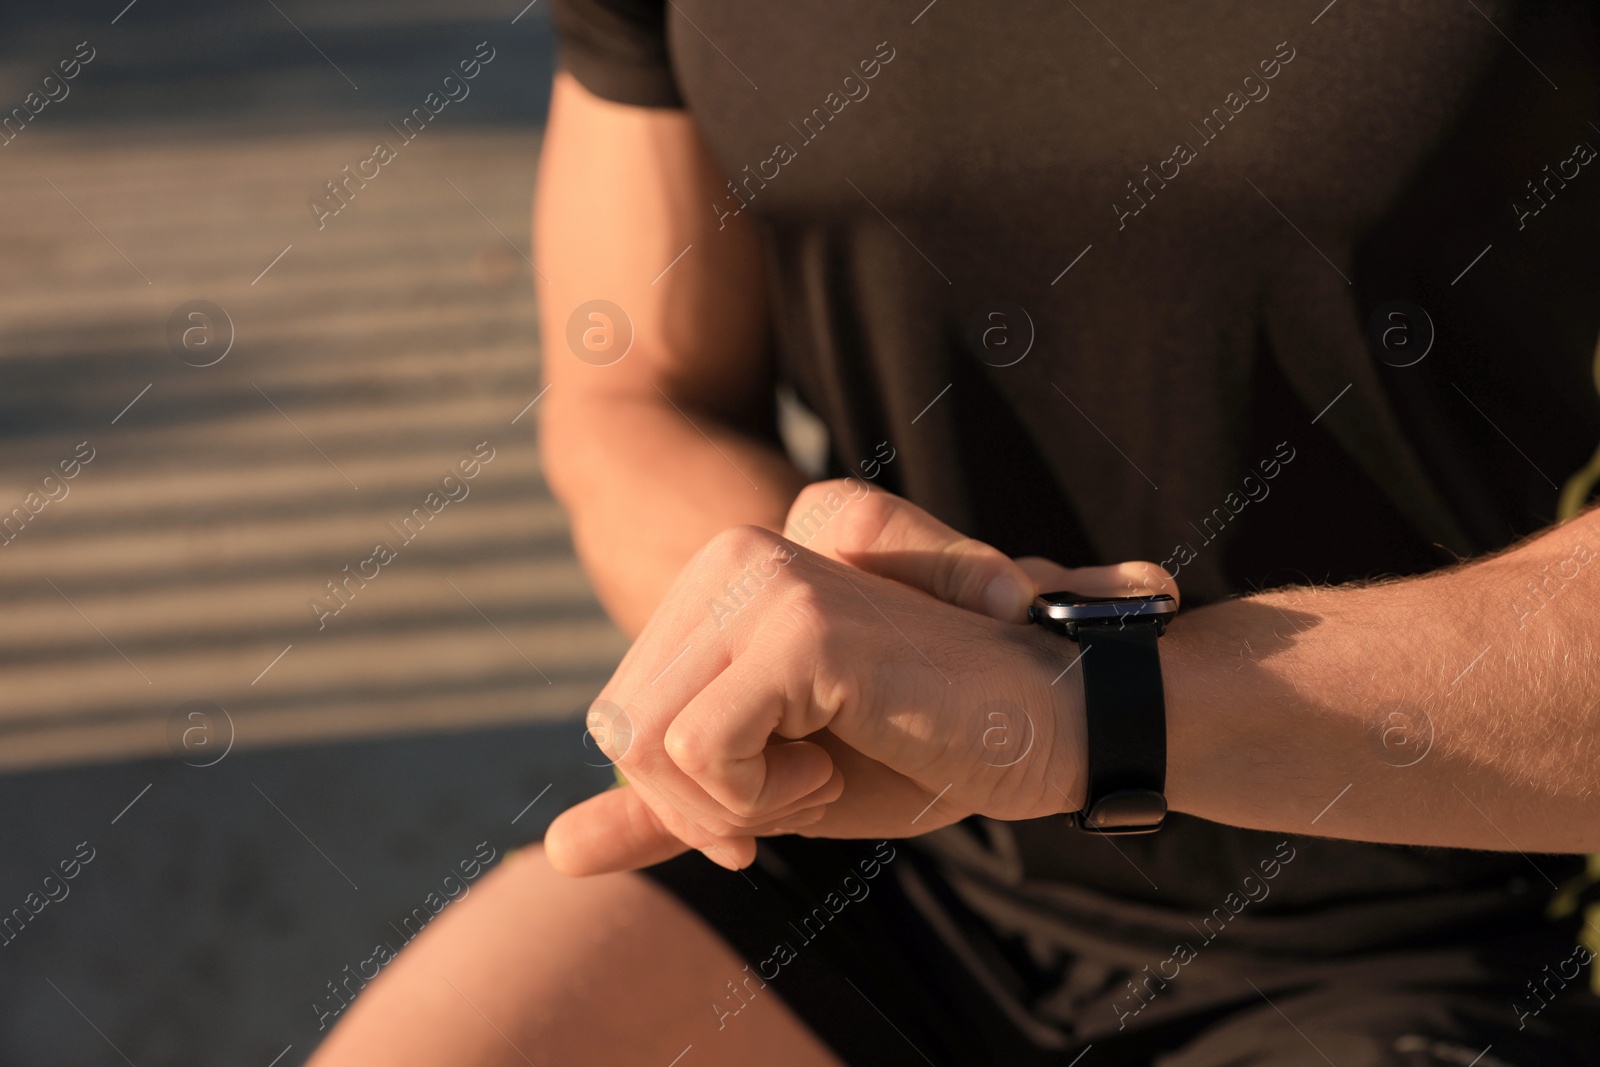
<point>833,928</point>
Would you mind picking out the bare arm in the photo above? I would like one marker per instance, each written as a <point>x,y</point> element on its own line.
<point>1460,708</point>
<point>656,452</point>
<point>1443,710</point>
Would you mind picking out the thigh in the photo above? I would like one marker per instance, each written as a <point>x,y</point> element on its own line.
<point>535,967</point>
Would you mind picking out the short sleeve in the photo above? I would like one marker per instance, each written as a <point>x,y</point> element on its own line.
<point>617,49</point>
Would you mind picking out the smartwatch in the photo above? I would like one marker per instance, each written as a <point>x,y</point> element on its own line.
<point>1125,708</point>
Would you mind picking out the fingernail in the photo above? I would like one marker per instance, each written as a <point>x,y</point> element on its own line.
<point>1004,599</point>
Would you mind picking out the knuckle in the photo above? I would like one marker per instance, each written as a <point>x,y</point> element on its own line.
<point>834,693</point>
<point>963,568</point>
<point>736,546</point>
<point>809,497</point>
<point>808,613</point>
<point>685,750</point>
<point>820,515</point>
<point>861,525</point>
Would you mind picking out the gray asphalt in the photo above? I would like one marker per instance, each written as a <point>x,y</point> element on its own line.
<point>161,912</point>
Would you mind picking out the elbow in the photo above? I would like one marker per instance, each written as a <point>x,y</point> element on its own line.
<point>562,445</point>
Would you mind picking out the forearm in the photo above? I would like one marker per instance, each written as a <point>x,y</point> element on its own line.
<point>645,490</point>
<point>659,443</point>
<point>1461,708</point>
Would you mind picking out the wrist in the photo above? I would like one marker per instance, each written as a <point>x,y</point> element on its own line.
<point>1246,682</point>
<point>1194,731</point>
<point>1124,716</point>
<point>1053,691</point>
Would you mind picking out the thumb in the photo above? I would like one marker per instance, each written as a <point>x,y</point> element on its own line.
<point>618,831</point>
<point>614,831</point>
<point>891,537</point>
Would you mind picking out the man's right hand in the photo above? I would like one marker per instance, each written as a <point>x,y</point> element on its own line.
<point>875,532</point>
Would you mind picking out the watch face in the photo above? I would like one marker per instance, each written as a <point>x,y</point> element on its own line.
<point>1067,606</point>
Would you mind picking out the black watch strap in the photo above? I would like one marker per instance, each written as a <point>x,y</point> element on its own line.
<point>1125,711</point>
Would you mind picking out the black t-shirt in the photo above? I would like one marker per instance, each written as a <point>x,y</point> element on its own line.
<point>1117,284</point>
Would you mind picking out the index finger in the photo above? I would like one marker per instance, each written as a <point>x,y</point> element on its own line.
<point>893,538</point>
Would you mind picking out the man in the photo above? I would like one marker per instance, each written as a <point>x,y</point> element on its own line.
<point>1263,358</point>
